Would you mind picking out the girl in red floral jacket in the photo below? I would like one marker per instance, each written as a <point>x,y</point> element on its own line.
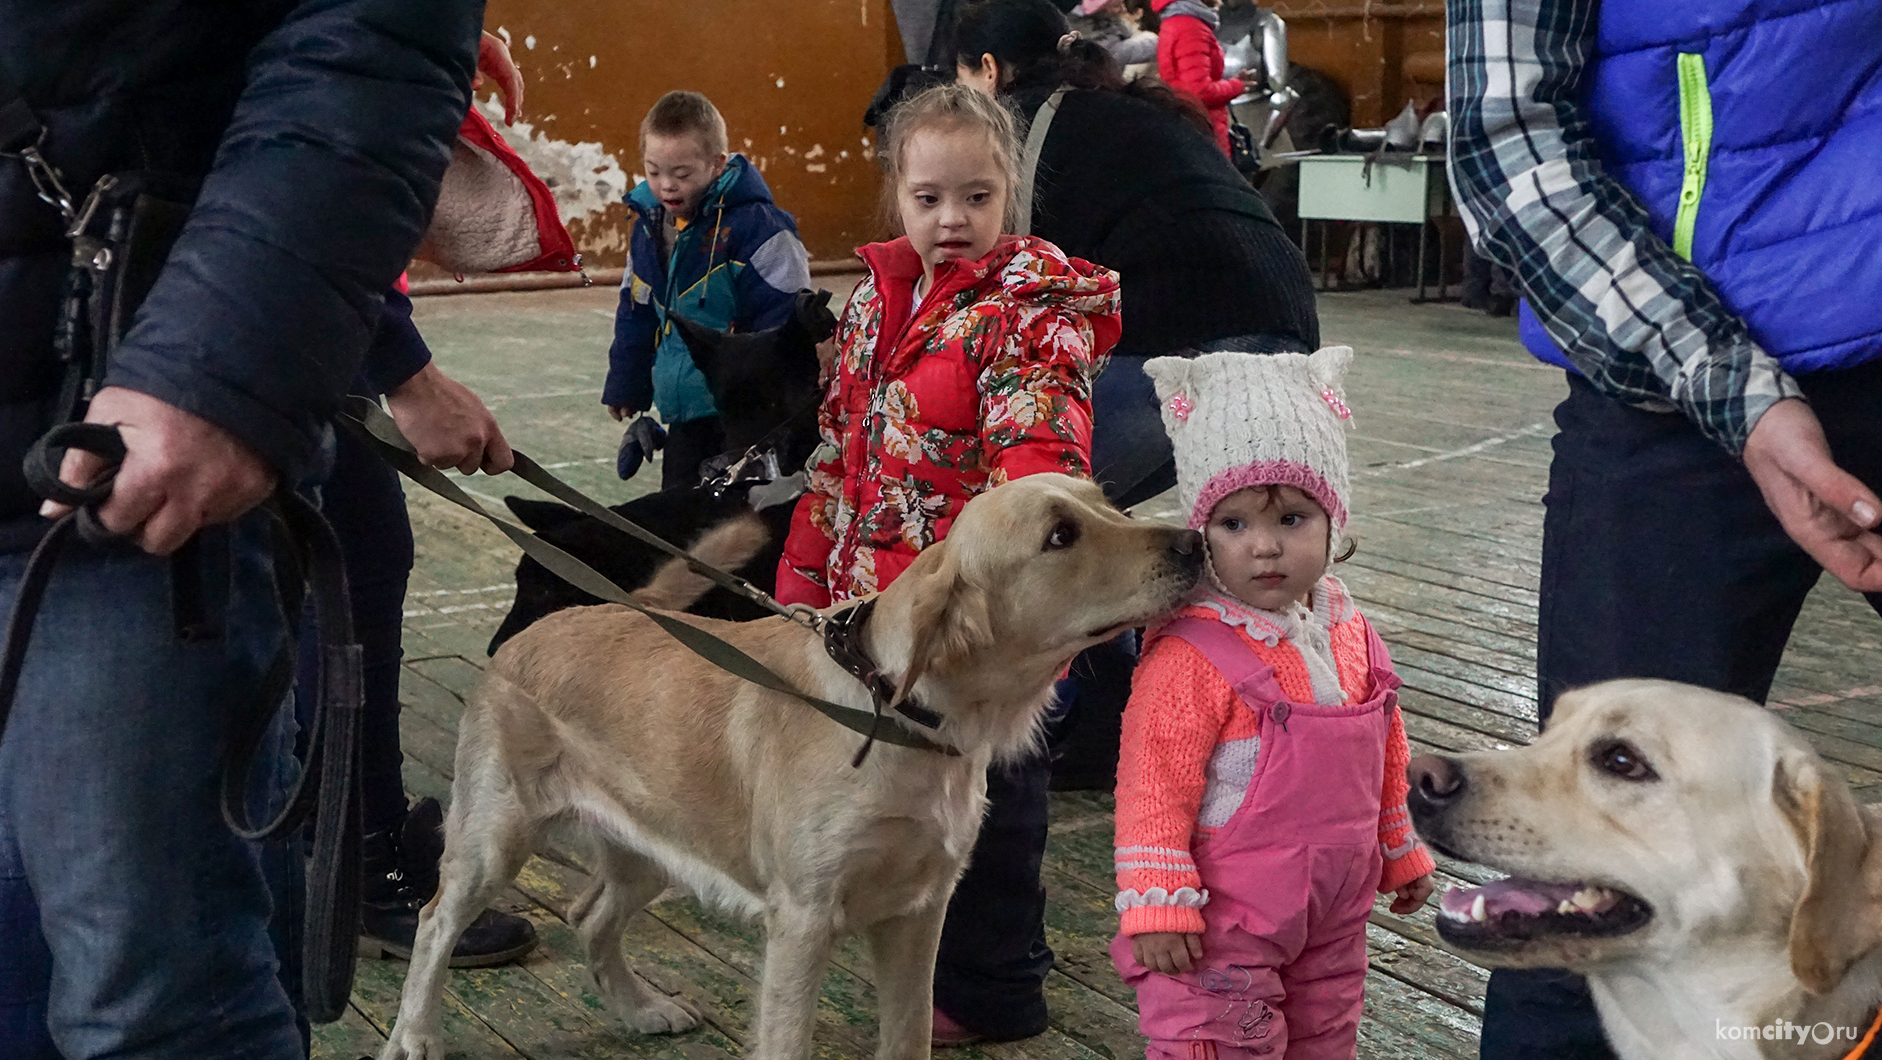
<point>964,360</point>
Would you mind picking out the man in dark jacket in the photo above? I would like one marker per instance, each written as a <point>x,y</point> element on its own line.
<point>319,131</point>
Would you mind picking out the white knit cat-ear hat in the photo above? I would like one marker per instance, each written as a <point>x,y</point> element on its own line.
<point>1256,419</point>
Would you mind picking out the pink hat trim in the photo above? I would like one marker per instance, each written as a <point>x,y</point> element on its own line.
<point>1267,473</point>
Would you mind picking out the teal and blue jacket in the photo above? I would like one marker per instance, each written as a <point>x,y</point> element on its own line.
<point>737,266</point>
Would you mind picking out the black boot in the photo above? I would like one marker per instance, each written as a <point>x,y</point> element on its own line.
<point>401,868</point>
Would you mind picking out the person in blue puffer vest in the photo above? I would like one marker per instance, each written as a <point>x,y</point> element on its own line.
<point>709,245</point>
<point>1686,194</point>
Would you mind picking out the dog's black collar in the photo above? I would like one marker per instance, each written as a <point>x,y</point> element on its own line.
<point>843,639</point>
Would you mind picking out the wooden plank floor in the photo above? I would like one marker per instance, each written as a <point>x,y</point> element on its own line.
<point>1450,450</point>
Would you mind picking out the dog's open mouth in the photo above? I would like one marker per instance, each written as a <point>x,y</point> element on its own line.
<point>1508,913</point>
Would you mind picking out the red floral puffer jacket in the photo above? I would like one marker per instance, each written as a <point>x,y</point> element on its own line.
<point>989,379</point>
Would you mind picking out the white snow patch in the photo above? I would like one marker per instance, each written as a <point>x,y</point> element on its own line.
<point>585,178</point>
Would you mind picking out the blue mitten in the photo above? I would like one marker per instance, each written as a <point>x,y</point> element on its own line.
<point>638,443</point>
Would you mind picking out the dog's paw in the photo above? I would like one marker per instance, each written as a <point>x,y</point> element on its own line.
<point>414,1045</point>
<point>663,1015</point>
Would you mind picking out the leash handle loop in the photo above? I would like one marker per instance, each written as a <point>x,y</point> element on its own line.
<point>41,467</point>
<point>42,461</point>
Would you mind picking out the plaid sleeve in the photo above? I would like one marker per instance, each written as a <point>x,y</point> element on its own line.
<point>1641,323</point>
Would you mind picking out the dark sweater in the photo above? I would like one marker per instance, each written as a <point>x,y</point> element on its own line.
<point>1131,186</point>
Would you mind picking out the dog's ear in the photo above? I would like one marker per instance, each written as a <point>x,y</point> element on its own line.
<point>541,515</point>
<point>1836,922</point>
<point>701,341</point>
<point>948,618</point>
<point>813,314</point>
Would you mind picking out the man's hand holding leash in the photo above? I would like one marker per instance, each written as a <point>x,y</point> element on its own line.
<point>180,472</point>
<point>449,425</point>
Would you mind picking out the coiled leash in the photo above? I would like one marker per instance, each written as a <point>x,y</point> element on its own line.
<point>329,785</point>
<point>840,631</point>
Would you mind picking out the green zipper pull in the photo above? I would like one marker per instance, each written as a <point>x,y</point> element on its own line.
<point>1695,129</point>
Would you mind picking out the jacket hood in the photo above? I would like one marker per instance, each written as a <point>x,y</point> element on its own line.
<point>1028,269</point>
<point>1193,8</point>
<point>740,184</point>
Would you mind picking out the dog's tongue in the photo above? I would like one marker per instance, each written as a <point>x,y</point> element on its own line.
<point>1524,897</point>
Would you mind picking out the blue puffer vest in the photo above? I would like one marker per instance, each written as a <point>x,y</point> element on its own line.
<point>1751,130</point>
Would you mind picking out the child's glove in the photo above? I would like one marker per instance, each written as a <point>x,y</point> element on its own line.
<point>638,443</point>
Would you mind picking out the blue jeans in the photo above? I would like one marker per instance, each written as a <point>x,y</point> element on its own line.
<point>143,917</point>
<point>1660,559</point>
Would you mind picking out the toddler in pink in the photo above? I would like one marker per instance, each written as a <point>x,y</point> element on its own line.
<point>1261,787</point>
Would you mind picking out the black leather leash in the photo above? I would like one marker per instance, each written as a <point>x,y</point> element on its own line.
<point>99,440</point>
<point>329,785</point>
<point>368,422</point>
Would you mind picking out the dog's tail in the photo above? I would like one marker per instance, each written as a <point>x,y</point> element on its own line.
<point>728,546</point>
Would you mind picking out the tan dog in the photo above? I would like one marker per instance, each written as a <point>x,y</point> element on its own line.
<point>1689,853</point>
<point>681,772</point>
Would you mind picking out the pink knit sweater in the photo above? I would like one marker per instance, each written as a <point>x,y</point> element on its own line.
<point>1182,713</point>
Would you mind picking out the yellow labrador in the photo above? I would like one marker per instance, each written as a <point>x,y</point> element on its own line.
<point>683,773</point>
<point>1689,853</point>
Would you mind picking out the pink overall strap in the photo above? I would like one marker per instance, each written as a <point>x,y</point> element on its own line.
<point>1238,664</point>
<point>1384,677</point>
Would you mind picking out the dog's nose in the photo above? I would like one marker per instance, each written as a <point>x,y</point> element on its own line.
<point>1186,543</point>
<point>1434,779</point>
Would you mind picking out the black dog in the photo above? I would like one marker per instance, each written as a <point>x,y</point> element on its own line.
<point>765,386</point>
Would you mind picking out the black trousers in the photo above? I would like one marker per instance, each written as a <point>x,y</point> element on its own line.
<point>690,443</point>
<point>991,972</point>
<point>1660,559</point>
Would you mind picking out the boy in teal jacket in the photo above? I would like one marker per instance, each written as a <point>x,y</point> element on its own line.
<point>709,245</point>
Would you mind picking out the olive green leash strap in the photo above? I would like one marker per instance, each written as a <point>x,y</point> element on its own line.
<point>368,422</point>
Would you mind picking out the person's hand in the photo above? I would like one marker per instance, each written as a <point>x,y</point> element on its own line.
<point>493,61</point>
<point>1169,952</point>
<point>621,412</point>
<point>180,472</point>
<point>826,360</point>
<point>1826,510</point>
<point>1411,897</point>
<point>448,425</point>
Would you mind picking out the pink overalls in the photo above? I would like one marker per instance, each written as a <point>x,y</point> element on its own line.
<point>1290,876</point>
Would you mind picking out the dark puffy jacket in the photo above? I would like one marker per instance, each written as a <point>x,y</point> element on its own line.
<point>1138,189</point>
<point>320,131</point>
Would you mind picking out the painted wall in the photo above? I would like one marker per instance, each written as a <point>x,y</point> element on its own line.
<point>792,80</point>
<point>1383,54</point>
